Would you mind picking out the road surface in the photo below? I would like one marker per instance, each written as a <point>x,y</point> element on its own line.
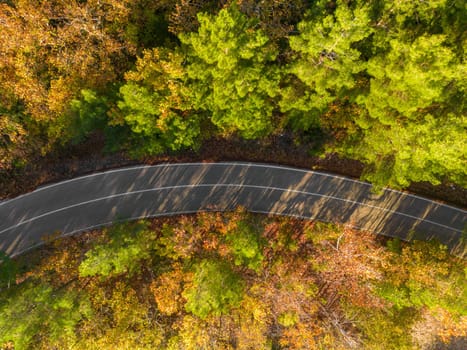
<point>95,200</point>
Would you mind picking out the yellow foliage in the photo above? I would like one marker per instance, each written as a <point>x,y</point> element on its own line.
<point>253,324</point>
<point>50,50</point>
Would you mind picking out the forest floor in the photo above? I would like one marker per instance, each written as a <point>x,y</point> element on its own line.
<point>90,157</point>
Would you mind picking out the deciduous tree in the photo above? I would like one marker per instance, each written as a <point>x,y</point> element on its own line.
<point>52,49</point>
<point>34,310</point>
<point>246,245</point>
<point>127,247</point>
<point>214,290</point>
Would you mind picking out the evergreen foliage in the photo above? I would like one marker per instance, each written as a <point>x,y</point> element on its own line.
<point>88,114</point>
<point>411,129</point>
<point>8,271</point>
<point>155,104</point>
<point>231,72</point>
<point>328,62</point>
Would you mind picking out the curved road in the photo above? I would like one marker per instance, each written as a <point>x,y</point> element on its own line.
<point>143,191</point>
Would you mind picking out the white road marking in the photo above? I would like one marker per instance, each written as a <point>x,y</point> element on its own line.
<point>259,165</point>
<point>228,185</point>
<point>182,212</point>
<point>164,214</point>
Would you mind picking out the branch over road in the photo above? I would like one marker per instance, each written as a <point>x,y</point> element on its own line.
<point>99,199</point>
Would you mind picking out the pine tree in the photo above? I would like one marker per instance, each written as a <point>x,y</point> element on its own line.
<point>328,63</point>
<point>231,72</point>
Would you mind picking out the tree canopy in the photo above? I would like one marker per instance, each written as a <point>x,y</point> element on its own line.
<point>156,104</point>
<point>207,281</point>
<point>231,72</point>
<point>328,63</point>
<point>382,81</point>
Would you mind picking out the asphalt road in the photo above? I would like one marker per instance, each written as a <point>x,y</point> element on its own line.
<point>145,191</point>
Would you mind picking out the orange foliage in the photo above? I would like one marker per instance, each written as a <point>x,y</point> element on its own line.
<point>348,265</point>
<point>167,290</point>
<point>51,49</point>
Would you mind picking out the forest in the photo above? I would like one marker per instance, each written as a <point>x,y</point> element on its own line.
<point>232,281</point>
<point>379,81</point>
